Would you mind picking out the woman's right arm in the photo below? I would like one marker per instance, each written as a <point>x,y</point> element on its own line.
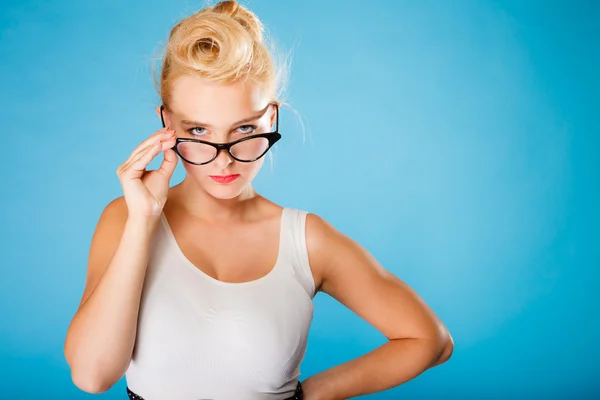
<point>100,339</point>
<point>101,336</point>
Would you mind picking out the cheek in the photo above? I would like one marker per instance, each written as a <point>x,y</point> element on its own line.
<point>253,167</point>
<point>248,170</point>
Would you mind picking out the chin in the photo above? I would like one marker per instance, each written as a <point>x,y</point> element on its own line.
<point>226,192</point>
<point>224,195</point>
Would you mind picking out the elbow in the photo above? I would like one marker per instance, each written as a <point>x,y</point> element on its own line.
<point>89,382</point>
<point>83,376</point>
<point>447,350</point>
<point>91,378</point>
<point>441,349</point>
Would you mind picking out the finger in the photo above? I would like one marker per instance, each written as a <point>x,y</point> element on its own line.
<point>136,167</point>
<point>169,156</point>
<point>146,158</point>
<point>166,134</point>
<point>144,146</point>
<point>151,141</point>
<point>169,163</point>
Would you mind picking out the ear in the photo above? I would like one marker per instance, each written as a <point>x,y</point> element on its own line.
<point>273,117</point>
<point>165,116</point>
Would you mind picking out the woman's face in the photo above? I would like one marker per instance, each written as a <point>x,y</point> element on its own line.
<point>219,113</point>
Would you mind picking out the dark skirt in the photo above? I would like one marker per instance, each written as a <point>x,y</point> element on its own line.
<point>296,396</point>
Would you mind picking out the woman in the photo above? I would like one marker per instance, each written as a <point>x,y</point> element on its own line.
<point>204,290</point>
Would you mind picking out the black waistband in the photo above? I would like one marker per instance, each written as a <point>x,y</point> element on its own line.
<point>296,396</point>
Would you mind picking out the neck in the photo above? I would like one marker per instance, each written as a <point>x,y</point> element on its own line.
<point>212,210</point>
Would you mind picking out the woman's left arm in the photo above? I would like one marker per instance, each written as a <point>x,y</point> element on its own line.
<point>417,338</point>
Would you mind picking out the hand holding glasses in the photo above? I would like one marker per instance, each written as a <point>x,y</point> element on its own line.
<point>145,192</point>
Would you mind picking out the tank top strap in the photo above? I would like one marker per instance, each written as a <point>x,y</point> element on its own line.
<point>294,250</point>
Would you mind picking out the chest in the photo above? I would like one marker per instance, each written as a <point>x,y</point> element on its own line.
<point>232,254</point>
<point>252,336</point>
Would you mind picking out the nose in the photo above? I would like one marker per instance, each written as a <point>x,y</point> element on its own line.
<point>223,159</point>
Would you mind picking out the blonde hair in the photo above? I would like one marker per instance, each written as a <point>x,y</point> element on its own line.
<point>224,43</point>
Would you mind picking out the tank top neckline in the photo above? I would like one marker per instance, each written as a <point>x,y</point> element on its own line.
<point>186,261</point>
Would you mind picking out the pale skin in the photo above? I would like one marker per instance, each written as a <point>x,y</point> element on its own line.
<point>207,219</point>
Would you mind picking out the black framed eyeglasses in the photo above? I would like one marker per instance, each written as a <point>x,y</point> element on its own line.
<point>246,149</point>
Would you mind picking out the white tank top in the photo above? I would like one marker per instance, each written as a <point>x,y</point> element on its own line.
<point>201,338</point>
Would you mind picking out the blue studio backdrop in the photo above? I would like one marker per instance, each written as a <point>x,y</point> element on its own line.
<point>455,140</point>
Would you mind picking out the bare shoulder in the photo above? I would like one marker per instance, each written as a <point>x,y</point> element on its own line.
<point>112,219</point>
<point>323,240</point>
<point>105,240</point>
<point>333,253</point>
<point>337,259</point>
<point>114,208</point>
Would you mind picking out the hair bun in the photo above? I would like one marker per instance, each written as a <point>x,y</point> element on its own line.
<point>213,44</point>
<point>242,16</point>
<point>222,43</point>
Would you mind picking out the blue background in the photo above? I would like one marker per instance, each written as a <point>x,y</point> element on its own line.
<point>455,140</point>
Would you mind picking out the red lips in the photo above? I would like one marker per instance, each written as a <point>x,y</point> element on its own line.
<point>224,178</point>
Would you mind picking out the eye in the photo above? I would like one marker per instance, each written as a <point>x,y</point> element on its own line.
<point>197,130</point>
<point>247,129</point>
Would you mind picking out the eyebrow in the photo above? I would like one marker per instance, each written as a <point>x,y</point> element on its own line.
<point>259,115</point>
